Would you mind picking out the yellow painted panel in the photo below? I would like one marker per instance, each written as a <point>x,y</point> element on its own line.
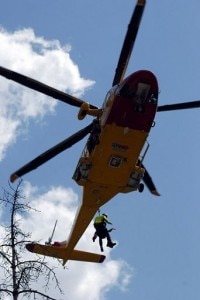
<point>112,137</point>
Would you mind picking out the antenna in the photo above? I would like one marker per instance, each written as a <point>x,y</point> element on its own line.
<point>51,237</point>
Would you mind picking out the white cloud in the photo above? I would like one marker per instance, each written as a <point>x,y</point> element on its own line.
<point>40,59</point>
<point>7,129</point>
<point>79,280</point>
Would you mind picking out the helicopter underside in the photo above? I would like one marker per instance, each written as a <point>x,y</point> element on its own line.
<point>113,162</point>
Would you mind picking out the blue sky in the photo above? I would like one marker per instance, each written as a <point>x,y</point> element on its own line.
<point>158,238</point>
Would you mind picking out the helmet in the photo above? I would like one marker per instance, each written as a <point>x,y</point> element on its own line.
<point>105,215</point>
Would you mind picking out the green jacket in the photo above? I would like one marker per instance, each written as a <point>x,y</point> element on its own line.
<point>101,219</point>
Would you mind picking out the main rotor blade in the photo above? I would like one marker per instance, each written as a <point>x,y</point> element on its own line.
<point>129,42</point>
<point>49,154</point>
<point>41,87</point>
<point>177,106</point>
<point>149,182</point>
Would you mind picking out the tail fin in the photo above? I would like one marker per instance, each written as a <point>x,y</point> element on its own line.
<point>60,252</point>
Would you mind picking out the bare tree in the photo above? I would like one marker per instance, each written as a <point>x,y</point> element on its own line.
<point>19,275</point>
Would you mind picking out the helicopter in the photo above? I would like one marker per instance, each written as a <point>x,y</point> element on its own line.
<point>112,160</point>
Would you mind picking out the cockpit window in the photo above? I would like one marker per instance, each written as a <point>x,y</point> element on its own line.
<point>127,91</point>
<point>138,93</point>
<point>106,99</point>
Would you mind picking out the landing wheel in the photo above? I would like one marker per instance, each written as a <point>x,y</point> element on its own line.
<point>141,187</point>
